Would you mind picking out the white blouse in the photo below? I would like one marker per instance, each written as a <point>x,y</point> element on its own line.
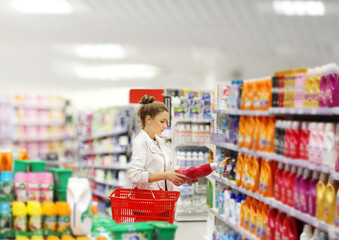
<point>148,158</point>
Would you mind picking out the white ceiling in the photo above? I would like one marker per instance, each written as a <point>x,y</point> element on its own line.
<point>193,42</point>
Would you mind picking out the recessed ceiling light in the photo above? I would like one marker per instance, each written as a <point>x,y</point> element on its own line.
<point>97,51</point>
<point>42,6</point>
<point>116,71</point>
<point>299,8</point>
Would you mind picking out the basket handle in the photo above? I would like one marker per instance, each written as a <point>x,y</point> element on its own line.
<point>129,194</point>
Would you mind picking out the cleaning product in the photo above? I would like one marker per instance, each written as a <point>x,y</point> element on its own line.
<point>6,161</point>
<point>264,216</point>
<point>319,143</point>
<point>238,208</point>
<point>6,183</point>
<point>300,78</point>
<point>297,189</point>
<point>279,225</point>
<point>20,216</point>
<point>79,198</point>
<point>336,218</point>
<point>242,131</point>
<point>329,149</point>
<point>284,184</point>
<point>46,193</point>
<point>255,170</point>
<point>20,186</point>
<point>268,178</point>
<point>278,181</point>
<point>64,212</point>
<point>264,130</point>
<point>332,93</point>
<point>312,127</point>
<point>308,88</point>
<point>304,191</point>
<point>34,211</point>
<point>335,161</point>
<point>271,223</point>
<point>270,135</point>
<point>295,140</point>
<point>304,141</point>
<point>258,222</point>
<point>246,173</point>
<point>290,186</point>
<point>330,201</point>
<point>288,139</point>
<point>307,233</point>
<point>197,172</point>
<point>316,235</point>
<point>5,217</point>
<point>249,132</point>
<point>239,169</point>
<point>316,88</point>
<point>33,186</point>
<point>232,210</point>
<point>321,185</point>
<point>290,230</point>
<point>312,194</point>
<point>49,213</point>
<point>276,136</point>
<point>256,133</point>
<point>247,212</point>
<point>253,216</point>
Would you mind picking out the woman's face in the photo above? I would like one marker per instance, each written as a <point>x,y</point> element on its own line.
<point>159,122</point>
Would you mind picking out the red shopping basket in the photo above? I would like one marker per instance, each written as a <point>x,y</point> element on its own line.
<point>142,205</point>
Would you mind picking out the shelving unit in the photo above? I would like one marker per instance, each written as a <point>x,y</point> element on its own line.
<point>102,153</point>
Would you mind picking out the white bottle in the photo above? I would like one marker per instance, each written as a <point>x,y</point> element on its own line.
<point>227,195</point>
<point>182,133</point>
<point>319,143</point>
<point>188,136</point>
<point>206,156</point>
<point>316,235</point>
<point>195,133</point>
<point>200,158</point>
<point>207,134</point>
<point>194,159</point>
<point>232,204</point>
<point>177,133</point>
<point>201,133</point>
<point>312,142</point>
<point>336,147</point>
<point>329,145</point>
<point>307,233</point>
<point>179,158</point>
<point>188,158</point>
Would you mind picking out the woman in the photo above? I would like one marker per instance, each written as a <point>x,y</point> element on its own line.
<point>150,166</point>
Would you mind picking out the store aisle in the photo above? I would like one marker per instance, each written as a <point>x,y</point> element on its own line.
<point>190,230</point>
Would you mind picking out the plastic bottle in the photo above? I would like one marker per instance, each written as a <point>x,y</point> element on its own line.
<point>312,141</point>
<point>6,161</point>
<point>321,185</point>
<point>281,91</point>
<point>279,225</point>
<point>307,233</point>
<point>263,135</point>
<point>232,210</point>
<point>239,170</point>
<point>34,211</point>
<point>207,133</point>
<point>258,223</point>
<point>5,217</point>
<point>284,183</point>
<point>188,158</point>
<point>304,141</point>
<point>247,215</point>
<point>195,133</point>
<point>290,186</point>
<point>312,194</point>
<point>64,215</point>
<point>249,132</point>
<point>197,172</point>
<point>335,162</point>
<point>323,236</point>
<point>49,212</point>
<point>46,193</point>
<point>295,140</point>
<point>329,150</point>
<point>282,137</point>
<point>270,135</point>
<point>290,230</point>
<point>316,88</point>
<point>182,131</point>
<point>33,186</point>
<point>188,133</point>
<point>278,181</point>
<point>276,136</point>
<point>323,87</point>
<point>227,197</point>
<point>288,140</point>
<point>333,79</point>
<point>206,156</point>
<point>330,201</point>
<point>299,88</point>
<point>20,216</point>
<point>304,191</point>
<point>242,131</point>
<point>6,183</point>
<point>255,170</point>
<point>200,158</point>
<point>238,207</point>
<point>297,188</point>
<point>319,143</point>
<point>316,234</point>
<point>20,186</point>
<point>201,133</point>
<point>194,159</point>
<point>268,186</point>
<point>271,223</point>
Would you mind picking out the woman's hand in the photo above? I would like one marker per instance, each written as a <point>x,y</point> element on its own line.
<point>176,178</point>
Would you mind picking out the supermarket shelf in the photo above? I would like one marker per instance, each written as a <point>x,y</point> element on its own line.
<point>190,145</point>
<point>276,157</point>
<point>210,146</point>
<point>102,153</point>
<point>99,194</point>
<point>106,183</point>
<point>48,124</point>
<point>110,134</point>
<point>103,167</point>
<point>274,203</point>
<point>38,139</point>
<point>303,111</point>
<point>241,112</point>
<point>234,226</point>
<point>34,106</point>
<point>191,217</point>
<point>192,120</point>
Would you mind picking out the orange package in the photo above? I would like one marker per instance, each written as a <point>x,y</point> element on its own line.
<point>254,185</point>
<point>242,130</point>
<point>249,126</point>
<point>256,133</point>
<point>270,135</point>
<point>239,170</point>
<point>263,133</point>
<point>253,216</point>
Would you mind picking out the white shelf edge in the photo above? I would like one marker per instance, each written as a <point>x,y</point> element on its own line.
<point>274,203</point>
<point>102,153</point>
<point>175,120</point>
<point>111,134</point>
<point>103,167</point>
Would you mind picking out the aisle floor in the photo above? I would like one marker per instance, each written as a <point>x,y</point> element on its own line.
<point>190,230</point>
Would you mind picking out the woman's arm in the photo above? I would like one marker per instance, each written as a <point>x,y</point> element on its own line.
<point>171,175</point>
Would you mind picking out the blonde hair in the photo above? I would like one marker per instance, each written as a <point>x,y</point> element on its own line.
<point>149,107</point>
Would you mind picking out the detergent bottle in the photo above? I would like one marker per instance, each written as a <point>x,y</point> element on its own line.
<point>20,216</point>
<point>194,173</point>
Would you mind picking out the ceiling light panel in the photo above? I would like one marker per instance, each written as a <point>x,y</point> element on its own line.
<point>100,51</point>
<point>299,8</point>
<point>42,6</point>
